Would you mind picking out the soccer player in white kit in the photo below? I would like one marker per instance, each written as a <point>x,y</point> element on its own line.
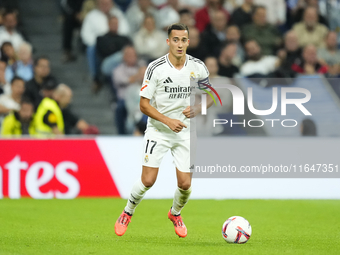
<point>165,98</point>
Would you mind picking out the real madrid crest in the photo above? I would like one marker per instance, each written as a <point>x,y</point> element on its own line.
<point>192,76</point>
<point>146,159</point>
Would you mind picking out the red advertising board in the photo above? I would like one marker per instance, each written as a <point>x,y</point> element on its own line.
<point>46,169</point>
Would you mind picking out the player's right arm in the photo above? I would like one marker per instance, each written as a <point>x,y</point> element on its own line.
<point>149,110</point>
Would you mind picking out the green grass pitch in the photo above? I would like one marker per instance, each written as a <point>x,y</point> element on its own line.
<point>86,226</point>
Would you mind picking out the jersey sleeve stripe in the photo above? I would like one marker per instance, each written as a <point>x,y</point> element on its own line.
<point>153,68</point>
<point>154,64</point>
<point>200,62</point>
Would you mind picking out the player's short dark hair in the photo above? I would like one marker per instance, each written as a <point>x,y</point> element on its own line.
<point>17,78</point>
<point>177,26</point>
<point>36,60</point>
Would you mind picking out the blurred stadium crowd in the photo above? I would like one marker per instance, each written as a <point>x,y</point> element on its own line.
<point>253,38</point>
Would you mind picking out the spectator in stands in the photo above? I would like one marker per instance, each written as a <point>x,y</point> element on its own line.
<point>48,87</point>
<point>5,87</point>
<point>334,17</point>
<point>233,35</point>
<point>168,14</point>
<point>11,102</point>
<point>203,15</point>
<point>267,35</point>
<point>232,5</point>
<point>213,68</point>
<point>49,118</point>
<point>20,122</point>
<point>258,65</point>
<point>225,66</point>
<point>290,54</point>
<point>214,35</point>
<point>292,8</point>
<point>186,17</point>
<point>330,54</point>
<point>87,6</point>
<point>298,12</point>
<point>124,75</point>
<point>71,21</point>
<point>72,123</point>
<point>95,24</point>
<point>137,12</point>
<point>8,32</point>
<point>310,31</point>
<point>8,53</point>
<point>276,11</point>
<point>192,5</point>
<point>195,47</point>
<point>150,42</point>
<point>123,4</point>
<point>243,14</point>
<point>136,121</point>
<point>159,3</point>
<point>109,49</point>
<point>308,128</point>
<point>333,72</point>
<point>111,42</point>
<point>309,64</point>
<point>33,87</point>
<point>24,66</point>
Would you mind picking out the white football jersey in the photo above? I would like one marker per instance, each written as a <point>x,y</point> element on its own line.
<point>169,90</point>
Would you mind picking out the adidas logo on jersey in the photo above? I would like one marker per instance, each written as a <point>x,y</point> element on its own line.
<point>168,80</point>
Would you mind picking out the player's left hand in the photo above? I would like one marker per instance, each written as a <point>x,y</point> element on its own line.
<point>190,112</point>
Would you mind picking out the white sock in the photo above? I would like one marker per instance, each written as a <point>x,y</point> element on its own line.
<point>137,193</point>
<point>180,199</point>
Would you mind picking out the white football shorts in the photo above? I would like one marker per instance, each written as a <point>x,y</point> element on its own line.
<point>155,148</point>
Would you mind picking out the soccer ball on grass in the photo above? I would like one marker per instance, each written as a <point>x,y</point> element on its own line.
<point>236,229</point>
